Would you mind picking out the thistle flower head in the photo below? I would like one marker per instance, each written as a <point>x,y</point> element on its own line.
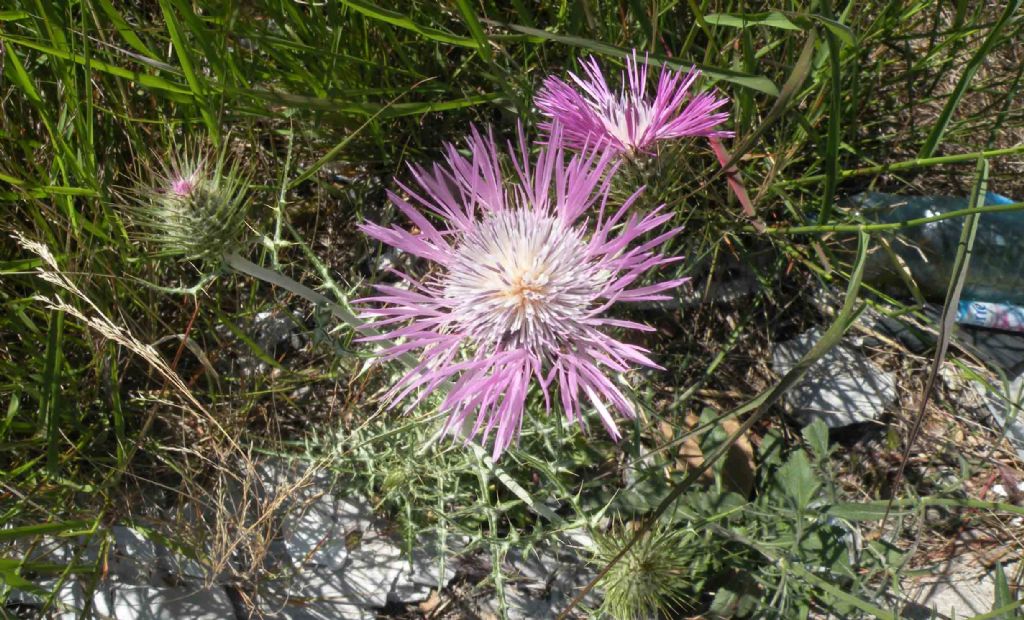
<point>525,267</point>
<point>182,186</point>
<point>192,204</point>
<point>629,121</point>
<point>657,577</point>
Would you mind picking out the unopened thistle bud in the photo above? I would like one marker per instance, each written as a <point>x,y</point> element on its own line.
<point>193,206</point>
<point>658,577</point>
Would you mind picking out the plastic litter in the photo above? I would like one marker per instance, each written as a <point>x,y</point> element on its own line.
<point>992,315</point>
<point>993,294</point>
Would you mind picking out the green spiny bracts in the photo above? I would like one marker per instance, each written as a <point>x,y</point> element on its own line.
<point>193,206</point>
<point>657,577</point>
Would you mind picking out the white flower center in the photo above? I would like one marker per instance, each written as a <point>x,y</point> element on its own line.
<point>521,279</point>
<point>625,118</point>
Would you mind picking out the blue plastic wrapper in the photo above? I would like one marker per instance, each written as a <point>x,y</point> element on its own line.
<point>995,274</point>
<point>992,315</point>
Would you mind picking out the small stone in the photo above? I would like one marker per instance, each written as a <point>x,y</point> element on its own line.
<point>132,557</point>
<point>522,606</point>
<point>915,340</point>
<point>301,393</point>
<point>541,584</point>
<point>172,567</point>
<point>1011,494</point>
<point>535,568</point>
<point>274,475</point>
<point>424,575</point>
<point>163,603</point>
<point>951,593</point>
<point>518,605</point>
<point>314,538</point>
<point>371,573</point>
<point>998,348</point>
<point>315,595</point>
<point>1009,413</point>
<point>842,388</point>
<point>721,291</point>
<point>341,535</point>
<point>404,592</point>
<point>321,534</point>
<point>579,538</point>
<point>46,549</point>
<point>276,333</point>
<point>68,602</point>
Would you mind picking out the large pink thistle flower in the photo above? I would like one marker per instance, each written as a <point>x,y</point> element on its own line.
<point>628,121</point>
<point>521,287</point>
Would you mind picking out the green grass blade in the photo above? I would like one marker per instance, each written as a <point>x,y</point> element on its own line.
<point>910,164</point>
<point>22,79</point>
<point>332,154</point>
<point>838,592</point>
<point>386,110</point>
<point>774,19</point>
<point>51,388</point>
<point>939,129</point>
<point>795,81</point>
<point>24,531</point>
<point>841,31</point>
<point>124,29</point>
<point>1003,596</point>
<point>397,19</point>
<point>483,45</point>
<point>259,352</point>
<point>949,311</point>
<point>143,79</point>
<point>1006,612</point>
<point>860,511</point>
<point>831,159</point>
<point>202,38</point>
<point>753,82</point>
<point>181,50</point>
<point>874,510</point>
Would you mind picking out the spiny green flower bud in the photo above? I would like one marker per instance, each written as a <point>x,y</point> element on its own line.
<point>193,206</point>
<point>657,577</point>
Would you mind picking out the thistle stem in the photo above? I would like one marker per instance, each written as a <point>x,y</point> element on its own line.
<point>181,290</point>
<point>279,207</point>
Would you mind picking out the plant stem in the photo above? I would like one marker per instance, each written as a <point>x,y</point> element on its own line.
<point>190,291</point>
<point>909,164</point>
<point>823,228</point>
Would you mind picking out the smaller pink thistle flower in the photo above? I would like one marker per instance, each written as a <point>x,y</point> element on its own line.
<point>182,185</point>
<point>628,122</point>
<point>524,270</point>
